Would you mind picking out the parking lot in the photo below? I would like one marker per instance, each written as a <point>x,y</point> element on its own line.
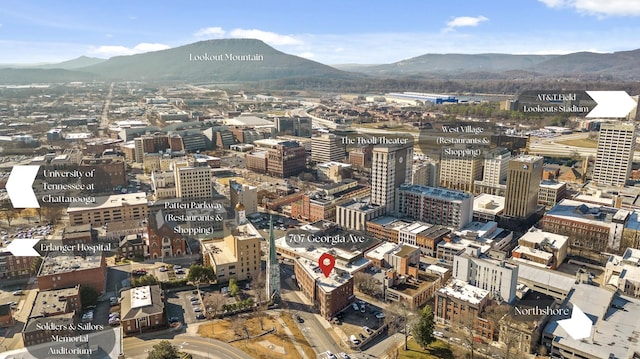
<point>179,305</point>
<point>354,321</point>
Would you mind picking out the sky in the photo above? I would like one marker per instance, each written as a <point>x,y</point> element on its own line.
<point>328,31</point>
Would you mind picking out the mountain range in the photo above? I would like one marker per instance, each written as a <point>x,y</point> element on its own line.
<point>249,60</point>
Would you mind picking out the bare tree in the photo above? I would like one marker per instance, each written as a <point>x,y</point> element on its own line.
<point>53,214</point>
<point>238,326</point>
<point>9,215</point>
<point>259,284</point>
<point>399,318</point>
<point>366,283</point>
<point>214,303</point>
<point>465,329</point>
<point>392,352</point>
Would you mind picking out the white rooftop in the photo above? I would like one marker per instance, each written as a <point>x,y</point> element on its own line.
<point>416,227</point>
<point>116,200</point>
<point>488,203</point>
<point>533,253</point>
<point>140,297</point>
<point>464,291</point>
<point>335,279</point>
<point>535,235</point>
<point>379,251</point>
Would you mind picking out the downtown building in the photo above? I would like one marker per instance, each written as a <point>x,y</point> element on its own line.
<point>192,183</point>
<point>499,278</point>
<point>494,173</point>
<point>460,172</point>
<point>327,148</point>
<point>432,205</point>
<point>614,154</point>
<point>391,166</point>
<point>523,184</point>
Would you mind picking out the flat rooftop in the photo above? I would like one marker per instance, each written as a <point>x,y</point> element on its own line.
<point>336,279</point>
<point>113,201</point>
<point>542,238</point>
<point>436,192</point>
<point>614,330</point>
<point>220,253</point>
<point>464,291</point>
<point>530,252</point>
<point>412,286</point>
<point>54,301</point>
<point>378,252</point>
<point>488,203</point>
<point>594,214</point>
<point>140,297</point>
<point>63,263</point>
<point>545,277</point>
<point>527,158</point>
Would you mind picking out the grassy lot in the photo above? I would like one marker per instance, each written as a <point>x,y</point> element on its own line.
<point>580,142</point>
<point>437,350</point>
<point>222,330</point>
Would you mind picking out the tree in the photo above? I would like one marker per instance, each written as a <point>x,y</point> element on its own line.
<point>88,296</point>
<point>53,214</point>
<point>258,285</point>
<point>399,317</point>
<point>143,280</point>
<point>234,289</point>
<point>200,274</point>
<point>367,284</point>
<point>465,329</point>
<point>392,352</point>
<point>163,350</point>
<point>422,330</point>
<point>214,303</point>
<point>9,215</point>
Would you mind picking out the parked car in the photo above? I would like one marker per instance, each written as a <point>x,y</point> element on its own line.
<point>367,330</point>
<point>299,319</point>
<point>345,355</point>
<point>197,309</point>
<point>355,306</point>
<point>17,292</point>
<point>200,316</point>
<point>330,355</point>
<point>354,340</point>
<point>380,315</point>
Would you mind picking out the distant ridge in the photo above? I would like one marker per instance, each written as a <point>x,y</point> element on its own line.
<point>623,64</point>
<point>82,61</point>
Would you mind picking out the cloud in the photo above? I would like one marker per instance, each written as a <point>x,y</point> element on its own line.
<point>307,55</point>
<point>211,32</point>
<point>272,38</point>
<point>464,21</point>
<point>598,8</point>
<point>117,50</point>
<point>266,36</point>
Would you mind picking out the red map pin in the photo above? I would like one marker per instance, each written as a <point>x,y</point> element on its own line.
<point>326,263</point>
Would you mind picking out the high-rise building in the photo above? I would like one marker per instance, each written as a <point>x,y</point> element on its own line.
<point>390,167</point>
<point>494,172</point>
<point>425,172</point>
<point>193,183</point>
<point>247,195</point>
<point>273,268</point>
<point>286,159</point>
<point>327,148</point>
<point>294,126</point>
<point>523,183</point>
<point>614,154</point>
<point>435,205</point>
<point>459,172</point>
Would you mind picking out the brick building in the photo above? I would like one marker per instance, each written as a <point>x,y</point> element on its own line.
<point>63,271</point>
<point>329,294</point>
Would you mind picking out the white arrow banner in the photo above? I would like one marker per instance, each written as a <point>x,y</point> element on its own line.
<point>23,247</point>
<point>20,186</point>
<point>611,104</point>
<point>578,326</point>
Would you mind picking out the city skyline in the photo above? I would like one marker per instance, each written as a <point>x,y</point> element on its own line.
<point>335,33</point>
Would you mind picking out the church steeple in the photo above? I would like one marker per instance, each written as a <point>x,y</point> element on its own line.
<point>273,267</point>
